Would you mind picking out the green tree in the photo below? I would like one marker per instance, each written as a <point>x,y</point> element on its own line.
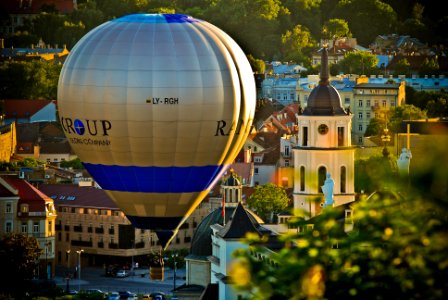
<point>306,13</point>
<point>258,65</point>
<point>29,80</point>
<point>74,163</point>
<point>359,15</point>
<point>334,28</point>
<point>268,200</point>
<point>429,66</point>
<point>402,67</point>
<point>295,42</point>
<point>359,62</point>
<point>18,254</point>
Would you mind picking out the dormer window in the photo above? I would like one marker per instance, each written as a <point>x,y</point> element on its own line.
<point>24,208</point>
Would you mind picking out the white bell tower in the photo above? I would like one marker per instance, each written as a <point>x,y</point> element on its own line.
<point>324,147</point>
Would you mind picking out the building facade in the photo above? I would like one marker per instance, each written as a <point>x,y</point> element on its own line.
<point>25,210</point>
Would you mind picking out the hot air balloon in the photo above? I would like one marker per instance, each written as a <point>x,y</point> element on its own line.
<point>156,106</point>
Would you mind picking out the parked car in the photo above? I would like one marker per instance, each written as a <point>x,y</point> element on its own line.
<point>127,295</point>
<point>122,273</point>
<point>158,296</point>
<point>113,296</point>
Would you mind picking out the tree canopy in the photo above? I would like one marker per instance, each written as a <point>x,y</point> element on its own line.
<point>18,254</point>
<point>267,200</point>
<point>396,249</point>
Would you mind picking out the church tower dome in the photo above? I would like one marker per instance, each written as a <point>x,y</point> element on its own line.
<point>324,99</point>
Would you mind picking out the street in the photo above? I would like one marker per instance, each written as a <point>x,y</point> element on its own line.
<point>140,283</point>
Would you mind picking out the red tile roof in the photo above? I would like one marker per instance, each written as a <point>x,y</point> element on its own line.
<point>27,193</point>
<point>21,108</point>
<point>73,195</point>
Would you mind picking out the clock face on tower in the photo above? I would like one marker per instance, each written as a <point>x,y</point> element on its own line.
<point>322,129</point>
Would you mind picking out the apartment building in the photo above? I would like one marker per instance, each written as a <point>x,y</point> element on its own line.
<point>373,100</point>
<point>90,221</point>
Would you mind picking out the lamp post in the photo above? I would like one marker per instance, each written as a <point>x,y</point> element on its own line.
<point>67,276</point>
<point>174,256</point>
<point>79,268</point>
<point>385,138</point>
<point>47,244</point>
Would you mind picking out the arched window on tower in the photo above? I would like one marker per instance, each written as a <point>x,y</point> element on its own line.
<point>302,178</point>
<point>237,196</point>
<point>322,175</point>
<point>343,179</point>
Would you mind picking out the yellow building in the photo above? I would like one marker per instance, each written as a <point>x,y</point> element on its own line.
<point>8,141</point>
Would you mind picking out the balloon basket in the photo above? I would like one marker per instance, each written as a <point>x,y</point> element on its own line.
<point>156,273</point>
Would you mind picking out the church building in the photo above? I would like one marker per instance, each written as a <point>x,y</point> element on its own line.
<point>324,148</point>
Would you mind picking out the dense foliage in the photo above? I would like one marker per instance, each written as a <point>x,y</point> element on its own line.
<point>258,25</point>
<point>18,254</point>
<point>268,200</point>
<point>29,80</point>
<point>396,250</point>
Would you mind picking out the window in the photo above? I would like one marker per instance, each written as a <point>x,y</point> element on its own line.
<point>384,103</point>
<point>286,150</point>
<point>24,227</point>
<point>8,227</point>
<point>343,178</point>
<point>258,159</point>
<point>360,103</point>
<point>392,103</point>
<point>347,100</point>
<point>376,103</point>
<point>360,140</point>
<point>367,103</point>
<point>305,136</point>
<point>36,227</point>
<point>8,208</point>
<point>340,136</point>
<point>360,115</point>
<point>322,175</point>
<point>302,178</point>
<point>368,115</point>
<point>50,226</point>
<point>255,170</point>
<point>286,162</point>
<point>360,127</point>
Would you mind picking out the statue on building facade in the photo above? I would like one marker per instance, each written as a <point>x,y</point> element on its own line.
<point>327,189</point>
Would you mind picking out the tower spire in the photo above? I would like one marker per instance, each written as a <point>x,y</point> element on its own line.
<point>324,73</point>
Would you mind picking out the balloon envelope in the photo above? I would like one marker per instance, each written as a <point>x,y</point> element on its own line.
<point>156,106</point>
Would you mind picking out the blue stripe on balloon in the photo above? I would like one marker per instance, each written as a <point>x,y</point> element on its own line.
<point>157,18</point>
<point>154,179</point>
